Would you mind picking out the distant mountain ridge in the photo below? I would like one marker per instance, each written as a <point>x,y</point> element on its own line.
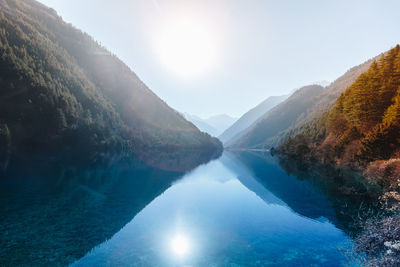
<point>278,119</point>
<point>304,105</point>
<point>213,125</point>
<point>201,124</point>
<point>220,122</point>
<point>250,117</point>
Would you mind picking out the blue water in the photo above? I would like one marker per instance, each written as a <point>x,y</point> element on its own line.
<point>234,211</point>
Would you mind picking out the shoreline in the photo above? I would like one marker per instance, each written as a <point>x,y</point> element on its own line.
<point>246,149</point>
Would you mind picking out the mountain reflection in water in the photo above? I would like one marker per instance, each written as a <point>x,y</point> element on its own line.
<point>52,213</point>
<point>165,210</point>
<point>242,209</point>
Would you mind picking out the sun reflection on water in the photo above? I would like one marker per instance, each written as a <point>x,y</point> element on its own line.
<point>180,245</point>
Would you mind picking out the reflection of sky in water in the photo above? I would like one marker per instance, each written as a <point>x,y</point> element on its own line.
<point>210,218</point>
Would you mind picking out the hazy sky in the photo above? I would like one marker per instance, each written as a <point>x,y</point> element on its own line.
<point>247,50</point>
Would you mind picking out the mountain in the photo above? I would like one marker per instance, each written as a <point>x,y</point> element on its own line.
<point>303,106</point>
<point>278,119</point>
<point>362,129</point>
<point>220,122</point>
<point>63,93</point>
<point>214,125</point>
<point>201,124</point>
<point>249,118</point>
<point>323,83</point>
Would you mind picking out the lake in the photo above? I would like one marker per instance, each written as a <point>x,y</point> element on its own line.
<point>241,209</point>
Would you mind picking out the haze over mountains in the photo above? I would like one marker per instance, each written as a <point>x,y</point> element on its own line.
<point>62,91</point>
<point>89,99</point>
<point>304,105</point>
<point>354,123</point>
<point>200,124</point>
<point>213,125</point>
<point>250,117</point>
<point>220,122</point>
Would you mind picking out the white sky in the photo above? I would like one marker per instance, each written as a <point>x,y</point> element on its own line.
<point>264,47</point>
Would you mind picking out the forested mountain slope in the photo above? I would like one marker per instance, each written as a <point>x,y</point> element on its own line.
<point>309,102</point>
<point>61,90</point>
<point>362,128</point>
<point>251,116</point>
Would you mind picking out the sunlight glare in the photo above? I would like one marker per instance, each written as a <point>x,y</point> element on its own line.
<point>187,47</point>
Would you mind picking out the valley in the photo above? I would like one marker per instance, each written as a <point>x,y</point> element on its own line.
<point>213,159</point>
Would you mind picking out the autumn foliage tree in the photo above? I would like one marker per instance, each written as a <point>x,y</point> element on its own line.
<point>364,123</point>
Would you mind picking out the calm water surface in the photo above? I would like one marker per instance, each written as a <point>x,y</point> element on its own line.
<point>239,210</point>
<point>221,215</point>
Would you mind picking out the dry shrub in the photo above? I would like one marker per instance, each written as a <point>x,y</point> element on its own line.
<point>349,157</point>
<point>385,173</point>
<point>380,241</point>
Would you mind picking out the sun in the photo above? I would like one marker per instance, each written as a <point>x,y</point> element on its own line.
<point>187,47</point>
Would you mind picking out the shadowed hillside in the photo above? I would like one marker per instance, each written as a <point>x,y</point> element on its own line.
<point>61,92</point>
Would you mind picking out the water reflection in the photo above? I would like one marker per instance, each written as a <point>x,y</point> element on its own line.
<point>302,197</point>
<point>352,200</point>
<point>52,213</point>
<point>180,244</point>
<point>242,209</point>
<point>229,213</point>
